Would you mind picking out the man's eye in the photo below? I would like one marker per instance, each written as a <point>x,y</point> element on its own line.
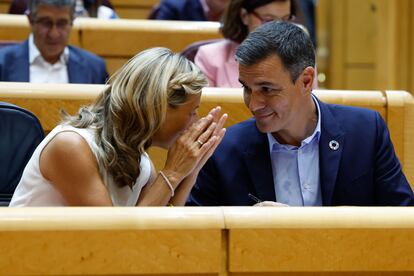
<point>246,89</point>
<point>266,89</point>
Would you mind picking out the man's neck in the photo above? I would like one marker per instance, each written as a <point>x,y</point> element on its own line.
<point>302,128</point>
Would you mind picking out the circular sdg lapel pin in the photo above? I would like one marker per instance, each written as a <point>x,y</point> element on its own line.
<point>333,145</point>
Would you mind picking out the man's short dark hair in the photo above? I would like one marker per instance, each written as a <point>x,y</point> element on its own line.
<point>286,40</point>
<point>32,7</point>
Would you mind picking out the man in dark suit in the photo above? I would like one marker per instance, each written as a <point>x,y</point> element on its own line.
<point>45,56</point>
<point>297,150</point>
<point>190,10</point>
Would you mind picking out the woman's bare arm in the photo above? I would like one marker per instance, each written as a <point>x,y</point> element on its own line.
<point>69,164</point>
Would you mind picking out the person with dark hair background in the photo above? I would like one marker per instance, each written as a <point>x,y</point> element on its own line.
<point>217,60</point>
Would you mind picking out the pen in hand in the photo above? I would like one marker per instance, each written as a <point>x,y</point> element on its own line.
<point>254,198</point>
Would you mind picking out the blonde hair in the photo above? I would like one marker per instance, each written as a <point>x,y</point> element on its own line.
<point>133,108</point>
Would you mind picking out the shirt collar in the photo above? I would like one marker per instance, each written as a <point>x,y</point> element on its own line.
<point>274,144</point>
<point>34,52</point>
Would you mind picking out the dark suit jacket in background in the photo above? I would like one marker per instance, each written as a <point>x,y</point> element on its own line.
<point>364,171</point>
<point>83,67</point>
<point>190,10</point>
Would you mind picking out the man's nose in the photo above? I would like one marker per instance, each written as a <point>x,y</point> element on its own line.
<point>54,31</point>
<point>256,101</point>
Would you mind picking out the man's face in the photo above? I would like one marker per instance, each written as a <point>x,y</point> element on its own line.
<point>271,96</point>
<point>51,28</point>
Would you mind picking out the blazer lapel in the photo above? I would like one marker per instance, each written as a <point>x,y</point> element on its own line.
<point>258,164</point>
<point>19,69</point>
<point>76,70</point>
<point>331,144</point>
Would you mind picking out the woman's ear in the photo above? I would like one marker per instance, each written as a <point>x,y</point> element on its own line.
<point>244,16</point>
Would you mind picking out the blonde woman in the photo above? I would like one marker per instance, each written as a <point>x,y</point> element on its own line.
<point>98,158</point>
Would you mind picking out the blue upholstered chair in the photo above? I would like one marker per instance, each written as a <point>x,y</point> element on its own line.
<point>20,133</point>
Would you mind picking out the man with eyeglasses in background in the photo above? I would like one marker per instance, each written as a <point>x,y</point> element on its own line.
<point>46,57</point>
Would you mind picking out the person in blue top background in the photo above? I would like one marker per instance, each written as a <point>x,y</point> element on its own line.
<point>190,10</point>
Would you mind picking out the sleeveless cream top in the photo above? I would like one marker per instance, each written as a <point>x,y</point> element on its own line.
<point>34,190</point>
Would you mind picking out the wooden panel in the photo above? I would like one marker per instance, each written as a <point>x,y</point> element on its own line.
<point>374,34</point>
<point>134,9</point>
<point>4,7</point>
<point>113,64</point>
<point>359,77</point>
<point>361,31</point>
<point>337,48</point>
<point>137,241</point>
<point>322,239</point>
<point>46,101</point>
<point>411,47</point>
<point>124,38</point>
<point>132,12</point>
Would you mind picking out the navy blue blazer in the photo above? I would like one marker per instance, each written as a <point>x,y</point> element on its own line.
<point>190,10</point>
<point>83,67</point>
<point>363,171</point>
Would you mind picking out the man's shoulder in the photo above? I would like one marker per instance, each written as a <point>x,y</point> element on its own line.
<point>11,49</point>
<point>243,131</point>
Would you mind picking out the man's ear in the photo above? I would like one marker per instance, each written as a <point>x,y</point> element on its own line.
<point>307,77</point>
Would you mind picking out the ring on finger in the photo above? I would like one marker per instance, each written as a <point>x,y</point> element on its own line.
<point>200,143</point>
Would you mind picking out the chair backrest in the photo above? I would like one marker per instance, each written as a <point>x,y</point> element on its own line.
<point>191,50</point>
<point>154,12</point>
<point>20,134</point>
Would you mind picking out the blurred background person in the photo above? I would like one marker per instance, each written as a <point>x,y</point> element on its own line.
<point>189,10</point>
<point>83,8</point>
<point>46,57</point>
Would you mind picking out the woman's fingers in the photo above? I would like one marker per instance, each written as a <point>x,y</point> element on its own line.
<point>220,123</point>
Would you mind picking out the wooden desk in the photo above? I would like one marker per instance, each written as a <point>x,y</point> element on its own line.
<point>225,241</point>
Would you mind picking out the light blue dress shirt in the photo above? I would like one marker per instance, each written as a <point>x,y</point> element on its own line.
<point>296,169</point>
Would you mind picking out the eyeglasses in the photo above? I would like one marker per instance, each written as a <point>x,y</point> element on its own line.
<point>47,24</point>
<point>268,18</point>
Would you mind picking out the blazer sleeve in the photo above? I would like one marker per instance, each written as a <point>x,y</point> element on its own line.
<point>167,11</point>
<point>205,192</point>
<point>392,187</point>
<point>202,60</point>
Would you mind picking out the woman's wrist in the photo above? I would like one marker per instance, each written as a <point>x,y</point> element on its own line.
<point>172,176</point>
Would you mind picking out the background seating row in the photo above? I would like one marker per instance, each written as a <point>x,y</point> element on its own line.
<point>207,241</point>
<point>118,40</point>
<point>396,107</point>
